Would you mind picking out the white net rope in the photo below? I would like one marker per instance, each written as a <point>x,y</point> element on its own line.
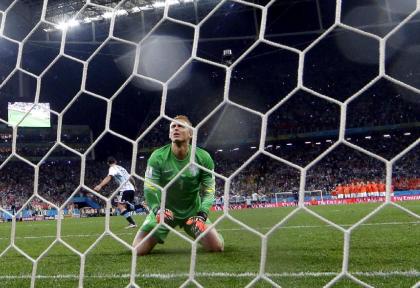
<point>262,275</point>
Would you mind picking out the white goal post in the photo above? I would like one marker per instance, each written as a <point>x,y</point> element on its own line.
<point>289,195</point>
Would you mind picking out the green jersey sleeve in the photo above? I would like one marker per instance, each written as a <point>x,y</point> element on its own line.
<point>152,176</point>
<point>207,183</point>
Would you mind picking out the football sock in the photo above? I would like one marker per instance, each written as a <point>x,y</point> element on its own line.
<point>128,217</point>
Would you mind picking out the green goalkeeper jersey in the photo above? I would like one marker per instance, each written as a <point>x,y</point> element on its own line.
<point>193,190</point>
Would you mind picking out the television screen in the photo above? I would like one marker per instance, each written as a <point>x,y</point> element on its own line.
<point>39,115</point>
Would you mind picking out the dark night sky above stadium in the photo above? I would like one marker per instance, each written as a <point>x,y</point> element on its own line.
<point>341,64</point>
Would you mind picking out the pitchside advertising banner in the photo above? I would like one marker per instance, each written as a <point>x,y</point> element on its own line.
<point>319,202</point>
<point>51,214</point>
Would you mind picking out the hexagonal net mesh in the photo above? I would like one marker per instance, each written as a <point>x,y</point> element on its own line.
<point>300,85</point>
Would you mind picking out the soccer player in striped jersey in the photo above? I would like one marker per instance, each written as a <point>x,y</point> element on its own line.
<point>125,195</point>
<point>188,199</point>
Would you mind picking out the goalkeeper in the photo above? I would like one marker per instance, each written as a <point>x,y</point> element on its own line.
<point>188,199</point>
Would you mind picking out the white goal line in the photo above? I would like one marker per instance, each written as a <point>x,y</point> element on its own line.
<point>220,230</point>
<point>163,276</point>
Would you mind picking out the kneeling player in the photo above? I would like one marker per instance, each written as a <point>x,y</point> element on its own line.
<point>188,200</point>
<point>194,226</point>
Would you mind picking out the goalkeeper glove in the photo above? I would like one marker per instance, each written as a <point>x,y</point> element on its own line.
<point>167,215</point>
<point>197,223</point>
<point>203,215</point>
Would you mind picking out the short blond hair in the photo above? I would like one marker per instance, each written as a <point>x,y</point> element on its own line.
<point>184,119</point>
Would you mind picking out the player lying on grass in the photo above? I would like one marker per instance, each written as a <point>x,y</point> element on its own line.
<point>125,197</point>
<point>185,207</point>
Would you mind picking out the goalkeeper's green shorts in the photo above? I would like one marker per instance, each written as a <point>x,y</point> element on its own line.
<point>162,232</point>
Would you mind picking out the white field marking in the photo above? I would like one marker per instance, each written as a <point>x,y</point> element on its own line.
<point>227,229</point>
<point>47,222</point>
<point>410,273</point>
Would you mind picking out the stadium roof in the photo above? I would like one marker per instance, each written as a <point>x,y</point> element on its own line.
<point>61,10</point>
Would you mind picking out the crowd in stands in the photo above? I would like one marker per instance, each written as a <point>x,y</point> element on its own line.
<point>399,106</point>
<point>43,135</point>
<point>340,170</point>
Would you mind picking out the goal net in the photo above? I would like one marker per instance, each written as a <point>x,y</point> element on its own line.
<point>319,98</point>
<point>284,197</point>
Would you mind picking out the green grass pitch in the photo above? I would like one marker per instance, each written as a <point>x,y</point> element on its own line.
<point>304,252</point>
